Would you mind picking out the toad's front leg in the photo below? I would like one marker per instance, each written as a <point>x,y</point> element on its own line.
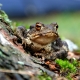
<point>20,32</point>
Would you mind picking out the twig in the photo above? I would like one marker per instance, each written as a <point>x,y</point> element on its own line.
<point>18,72</point>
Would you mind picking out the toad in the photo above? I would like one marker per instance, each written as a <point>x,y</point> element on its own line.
<point>43,41</point>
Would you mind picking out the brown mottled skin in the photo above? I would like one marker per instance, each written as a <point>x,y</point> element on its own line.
<point>43,41</point>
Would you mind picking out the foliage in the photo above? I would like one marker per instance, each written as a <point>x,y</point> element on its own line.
<point>74,62</point>
<point>66,65</point>
<point>69,77</point>
<point>4,16</point>
<point>44,76</point>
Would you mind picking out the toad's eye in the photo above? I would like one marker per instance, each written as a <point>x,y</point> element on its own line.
<point>38,27</point>
<point>56,27</point>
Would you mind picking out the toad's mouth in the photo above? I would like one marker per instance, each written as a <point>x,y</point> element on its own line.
<point>44,39</point>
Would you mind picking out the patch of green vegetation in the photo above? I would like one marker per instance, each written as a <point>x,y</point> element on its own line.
<point>69,77</point>
<point>4,16</point>
<point>66,65</point>
<point>74,62</point>
<point>44,76</point>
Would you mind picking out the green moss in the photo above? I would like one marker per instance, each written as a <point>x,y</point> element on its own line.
<point>66,65</point>
<point>44,76</point>
<point>68,77</point>
<point>69,67</point>
<point>4,16</point>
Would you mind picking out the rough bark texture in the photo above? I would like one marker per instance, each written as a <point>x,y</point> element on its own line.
<point>15,63</point>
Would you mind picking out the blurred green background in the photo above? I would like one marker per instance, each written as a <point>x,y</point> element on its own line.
<point>69,24</point>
